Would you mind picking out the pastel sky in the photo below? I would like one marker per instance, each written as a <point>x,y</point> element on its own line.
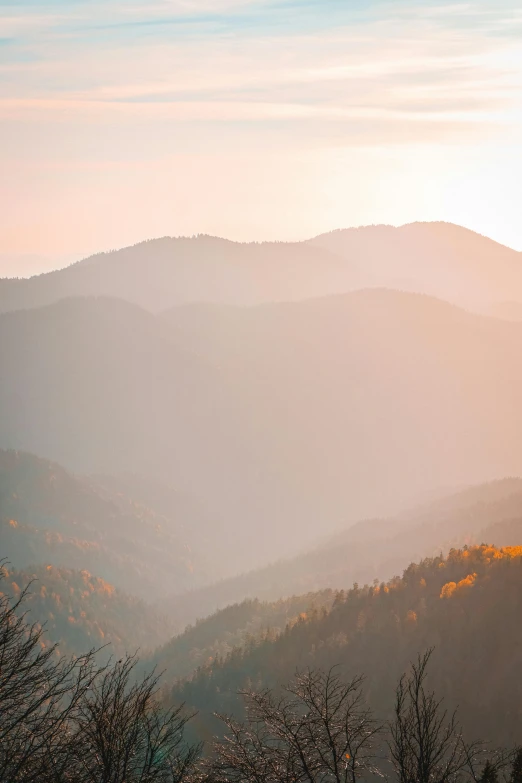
<point>274,119</point>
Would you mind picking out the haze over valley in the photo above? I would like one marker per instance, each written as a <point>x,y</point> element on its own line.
<point>203,474</point>
<point>275,421</point>
<point>260,392</point>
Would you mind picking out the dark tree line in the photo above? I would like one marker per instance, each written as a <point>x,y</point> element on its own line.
<point>65,720</point>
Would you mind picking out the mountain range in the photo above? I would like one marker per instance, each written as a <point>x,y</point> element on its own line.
<point>274,419</point>
<point>371,549</point>
<point>439,259</point>
<point>236,441</point>
<point>59,529</point>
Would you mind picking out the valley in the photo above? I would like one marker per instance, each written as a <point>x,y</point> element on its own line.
<point>237,486</point>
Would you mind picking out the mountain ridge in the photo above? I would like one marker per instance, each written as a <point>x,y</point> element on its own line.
<point>439,259</point>
<point>331,409</point>
<point>465,605</point>
<point>49,516</point>
<point>369,549</point>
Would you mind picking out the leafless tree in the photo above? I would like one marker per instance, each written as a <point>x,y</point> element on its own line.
<point>318,731</point>
<point>39,691</point>
<point>122,734</point>
<point>65,720</point>
<point>426,741</point>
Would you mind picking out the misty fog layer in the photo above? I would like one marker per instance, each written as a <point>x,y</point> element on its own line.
<point>230,436</point>
<point>280,420</point>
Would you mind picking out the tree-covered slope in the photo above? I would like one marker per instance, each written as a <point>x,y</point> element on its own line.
<point>371,548</point>
<point>235,626</point>
<point>80,611</point>
<point>51,516</point>
<point>468,606</point>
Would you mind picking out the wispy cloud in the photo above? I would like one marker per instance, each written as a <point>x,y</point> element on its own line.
<point>87,86</point>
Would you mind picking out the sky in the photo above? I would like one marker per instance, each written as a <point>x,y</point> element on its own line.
<point>276,119</point>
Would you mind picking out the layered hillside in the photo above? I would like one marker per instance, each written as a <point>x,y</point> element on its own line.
<point>237,626</point>
<point>466,605</point>
<point>279,421</point>
<point>439,259</point>
<point>365,394</point>
<point>81,612</point>
<point>50,516</point>
<point>371,548</point>
<point>170,271</point>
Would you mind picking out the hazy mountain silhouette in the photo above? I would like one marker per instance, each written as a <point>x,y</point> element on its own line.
<point>369,392</point>
<point>164,272</point>
<point>280,420</point>
<point>98,386</point>
<point>439,259</point>
<point>49,516</point>
<point>370,549</point>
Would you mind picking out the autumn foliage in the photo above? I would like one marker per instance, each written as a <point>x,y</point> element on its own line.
<point>466,605</point>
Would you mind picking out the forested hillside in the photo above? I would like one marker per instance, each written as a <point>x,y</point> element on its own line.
<point>370,548</point>
<point>50,516</point>
<point>81,612</point>
<point>237,625</point>
<point>467,606</point>
<point>67,718</point>
<point>261,477</point>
